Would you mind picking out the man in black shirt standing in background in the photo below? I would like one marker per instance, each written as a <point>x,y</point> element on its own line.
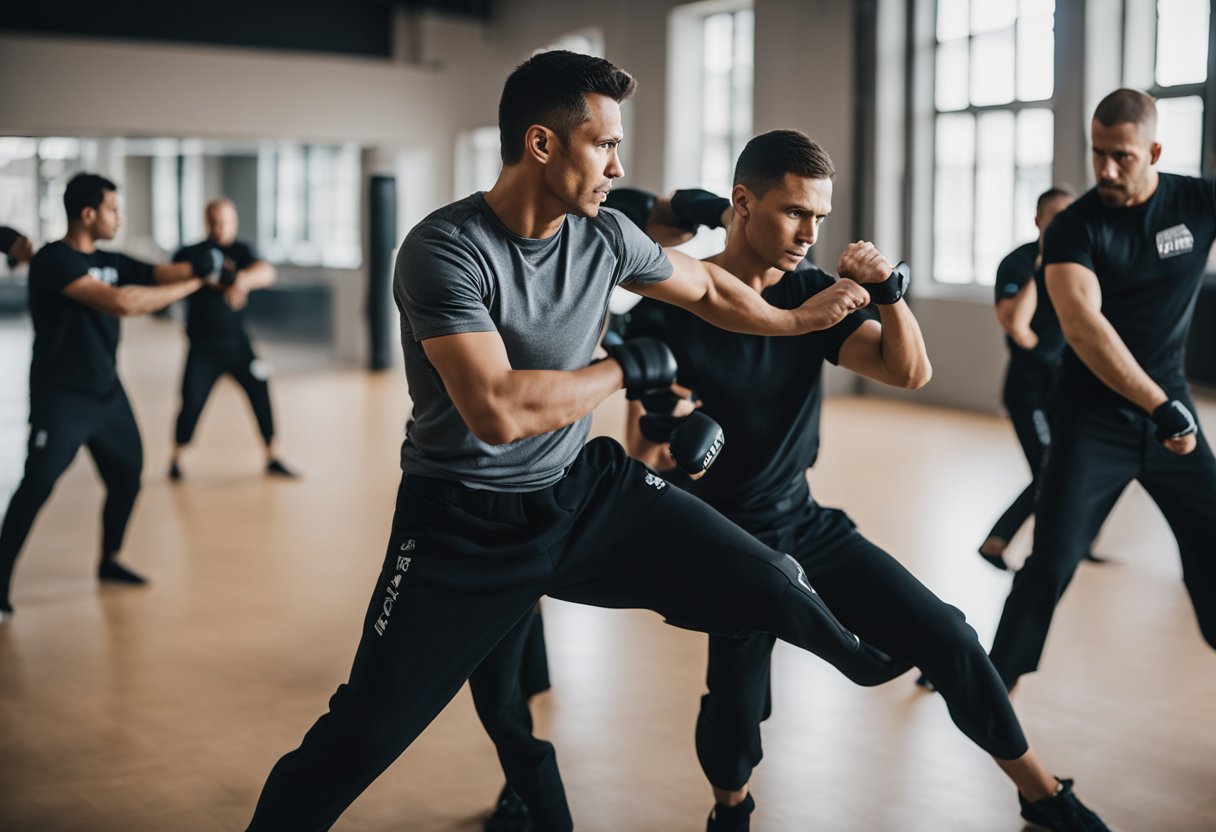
<point>77,293</point>
<point>1124,264</point>
<point>219,344</point>
<point>1035,342</point>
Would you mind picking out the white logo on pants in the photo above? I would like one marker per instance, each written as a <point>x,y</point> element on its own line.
<point>393,590</point>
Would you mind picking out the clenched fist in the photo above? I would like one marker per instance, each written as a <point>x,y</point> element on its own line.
<point>864,263</point>
<point>835,303</point>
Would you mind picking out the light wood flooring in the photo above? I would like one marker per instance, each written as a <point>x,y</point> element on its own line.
<point>164,708</point>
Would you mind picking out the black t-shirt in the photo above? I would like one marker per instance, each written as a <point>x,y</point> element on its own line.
<point>74,344</point>
<point>764,391</point>
<point>1015,270</point>
<point>208,317</point>
<point>1150,260</point>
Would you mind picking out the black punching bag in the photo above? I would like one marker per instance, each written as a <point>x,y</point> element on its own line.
<point>383,220</point>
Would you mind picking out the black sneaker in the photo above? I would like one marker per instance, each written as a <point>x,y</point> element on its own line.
<point>1090,557</point>
<point>1062,812</point>
<point>175,473</point>
<point>510,813</point>
<point>275,468</point>
<point>735,818</point>
<point>115,572</point>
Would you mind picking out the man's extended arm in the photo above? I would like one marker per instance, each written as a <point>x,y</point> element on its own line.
<point>124,301</point>
<point>1077,297</point>
<point>715,295</point>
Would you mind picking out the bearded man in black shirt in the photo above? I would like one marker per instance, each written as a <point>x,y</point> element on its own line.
<point>1124,264</point>
<point>77,293</point>
<point>219,344</point>
<point>766,394</point>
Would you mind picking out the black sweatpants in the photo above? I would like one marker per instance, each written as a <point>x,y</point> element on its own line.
<point>1096,451</point>
<point>61,421</point>
<point>463,566</point>
<point>873,595</point>
<point>205,363</point>
<point>1027,397</point>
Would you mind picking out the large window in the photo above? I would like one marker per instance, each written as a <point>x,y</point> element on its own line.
<point>726,95</point>
<point>1173,66</point>
<point>993,131</point>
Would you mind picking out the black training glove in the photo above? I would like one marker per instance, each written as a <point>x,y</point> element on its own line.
<point>634,203</point>
<point>696,207</point>
<point>661,402</point>
<point>1173,419</point>
<point>695,439</point>
<point>647,364</point>
<point>893,288</point>
<point>205,261</point>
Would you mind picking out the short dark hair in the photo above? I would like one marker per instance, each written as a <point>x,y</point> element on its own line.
<point>767,158</point>
<point>85,190</point>
<point>1054,192</point>
<point>1126,106</point>
<point>549,89</point>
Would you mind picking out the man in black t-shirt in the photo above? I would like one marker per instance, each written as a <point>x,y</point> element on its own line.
<point>1035,342</point>
<point>1124,264</point>
<point>77,293</point>
<point>219,344</point>
<point>783,188</point>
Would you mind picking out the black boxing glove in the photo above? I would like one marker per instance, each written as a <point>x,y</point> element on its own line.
<point>893,288</point>
<point>695,439</point>
<point>206,261</point>
<point>696,207</point>
<point>1172,420</point>
<point>647,364</point>
<point>634,203</point>
<point>662,402</point>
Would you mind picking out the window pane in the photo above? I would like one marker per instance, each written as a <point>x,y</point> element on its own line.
<point>1180,131</point>
<point>1036,56</point>
<point>993,193</point>
<point>1035,138</point>
<point>1182,41</point>
<point>1031,8</point>
<point>952,19</point>
<point>1034,154</point>
<point>992,67</point>
<point>952,202</point>
<point>987,15</point>
<point>951,80</point>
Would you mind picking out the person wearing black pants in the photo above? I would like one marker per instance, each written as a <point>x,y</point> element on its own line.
<point>503,296</point>
<point>219,344</point>
<point>77,293</point>
<point>1035,342</point>
<point>1124,265</point>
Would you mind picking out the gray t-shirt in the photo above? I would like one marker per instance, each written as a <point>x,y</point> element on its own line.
<point>462,270</point>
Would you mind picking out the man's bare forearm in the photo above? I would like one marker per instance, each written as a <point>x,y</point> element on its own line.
<point>903,346</point>
<point>1097,343</point>
<point>169,273</point>
<point>141,300</point>
<point>527,403</point>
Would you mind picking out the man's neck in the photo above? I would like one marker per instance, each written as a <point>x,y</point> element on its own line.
<point>1154,182</point>
<point>80,239</point>
<point>741,260</point>
<point>523,205</point>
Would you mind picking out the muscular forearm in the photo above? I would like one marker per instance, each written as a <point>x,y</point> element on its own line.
<point>904,355</point>
<point>170,273</point>
<point>730,304</point>
<point>525,403</point>
<point>1098,344</point>
<point>258,275</point>
<point>140,300</point>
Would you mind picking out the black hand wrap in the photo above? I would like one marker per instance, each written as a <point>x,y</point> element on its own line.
<point>661,402</point>
<point>206,261</point>
<point>1173,419</point>
<point>647,363</point>
<point>893,288</point>
<point>633,203</point>
<point>696,207</point>
<point>227,274</point>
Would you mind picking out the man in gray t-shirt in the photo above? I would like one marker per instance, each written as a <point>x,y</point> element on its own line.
<point>503,296</point>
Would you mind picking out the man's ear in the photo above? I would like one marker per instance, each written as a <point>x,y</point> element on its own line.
<point>1154,152</point>
<point>539,143</point>
<point>742,199</point>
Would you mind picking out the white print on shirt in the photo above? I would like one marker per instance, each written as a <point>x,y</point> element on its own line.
<point>393,589</point>
<point>657,483</point>
<point>1174,241</point>
<point>106,274</point>
<point>40,439</point>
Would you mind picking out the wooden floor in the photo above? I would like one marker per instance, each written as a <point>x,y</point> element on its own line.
<point>163,708</point>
